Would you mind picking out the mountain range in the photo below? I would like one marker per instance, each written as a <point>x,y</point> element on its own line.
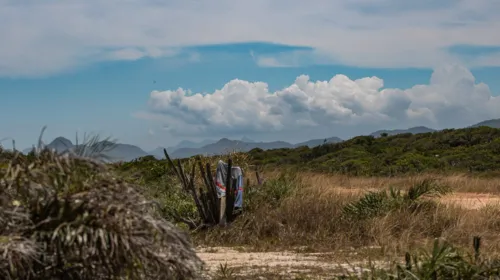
<point>185,148</point>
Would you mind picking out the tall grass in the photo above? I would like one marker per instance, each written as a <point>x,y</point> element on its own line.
<point>292,210</point>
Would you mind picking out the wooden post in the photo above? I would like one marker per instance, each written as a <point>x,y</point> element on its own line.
<point>222,210</point>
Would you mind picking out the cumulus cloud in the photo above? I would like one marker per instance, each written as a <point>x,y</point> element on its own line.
<point>43,37</point>
<point>451,99</point>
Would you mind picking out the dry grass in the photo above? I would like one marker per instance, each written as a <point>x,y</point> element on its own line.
<point>70,218</point>
<point>458,182</point>
<point>467,191</point>
<point>312,216</point>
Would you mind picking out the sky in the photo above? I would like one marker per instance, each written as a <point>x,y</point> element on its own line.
<point>153,73</point>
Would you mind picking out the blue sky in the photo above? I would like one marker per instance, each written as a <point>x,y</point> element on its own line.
<point>91,66</point>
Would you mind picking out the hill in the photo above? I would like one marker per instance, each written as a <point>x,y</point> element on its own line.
<point>317,142</point>
<point>158,152</point>
<point>469,149</point>
<point>121,152</point>
<point>495,123</point>
<point>412,130</point>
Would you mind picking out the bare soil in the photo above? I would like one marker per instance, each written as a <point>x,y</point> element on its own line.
<point>242,264</point>
<point>471,201</point>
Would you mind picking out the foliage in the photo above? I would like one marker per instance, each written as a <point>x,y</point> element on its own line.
<point>161,182</point>
<point>224,272</point>
<point>443,261</point>
<point>66,217</point>
<point>273,192</point>
<point>379,203</point>
<point>469,149</point>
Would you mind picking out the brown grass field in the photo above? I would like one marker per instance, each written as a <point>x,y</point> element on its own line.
<point>305,237</point>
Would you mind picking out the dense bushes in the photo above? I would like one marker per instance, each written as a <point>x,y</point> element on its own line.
<point>469,150</point>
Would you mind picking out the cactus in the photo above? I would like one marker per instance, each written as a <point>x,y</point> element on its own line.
<point>205,199</point>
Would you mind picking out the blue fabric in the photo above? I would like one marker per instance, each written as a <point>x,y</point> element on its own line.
<point>220,182</point>
<point>238,201</point>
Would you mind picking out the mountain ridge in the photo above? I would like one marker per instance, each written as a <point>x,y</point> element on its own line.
<point>186,148</point>
<point>495,123</point>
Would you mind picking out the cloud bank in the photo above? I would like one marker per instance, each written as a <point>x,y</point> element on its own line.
<point>451,99</point>
<point>47,37</point>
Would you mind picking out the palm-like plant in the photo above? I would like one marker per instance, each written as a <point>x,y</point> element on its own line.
<point>381,202</point>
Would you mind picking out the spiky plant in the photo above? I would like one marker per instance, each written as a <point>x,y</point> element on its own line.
<point>442,261</point>
<point>377,203</point>
<point>70,218</point>
<point>93,147</point>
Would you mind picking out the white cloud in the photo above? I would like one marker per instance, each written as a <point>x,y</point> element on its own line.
<point>451,99</point>
<point>43,37</point>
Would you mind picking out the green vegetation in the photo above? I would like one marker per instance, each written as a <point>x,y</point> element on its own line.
<point>382,202</point>
<point>77,218</point>
<point>469,150</point>
<point>442,261</point>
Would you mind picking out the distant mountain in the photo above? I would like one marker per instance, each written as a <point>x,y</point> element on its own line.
<point>246,139</point>
<point>60,144</point>
<point>121,152</point>
<point>190,144</point>
<point>184,144</point>
<point>317,142</point>
<point>158,153</point>
<point>495,123</point>
<point>413,130</point>
<point>225,145</point>
<point>125,152</point>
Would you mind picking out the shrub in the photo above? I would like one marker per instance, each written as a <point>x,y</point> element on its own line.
<point>443,261</point>
<point>381,202</point>
<point>70,218</point>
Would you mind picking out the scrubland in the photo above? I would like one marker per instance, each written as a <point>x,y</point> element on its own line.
<point>409,218</point>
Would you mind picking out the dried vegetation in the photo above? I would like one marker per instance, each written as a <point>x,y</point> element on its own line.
<point>65,217</point>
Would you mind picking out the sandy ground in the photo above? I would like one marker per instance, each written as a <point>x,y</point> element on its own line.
<point>273,265</point>
<point>471,200</point>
